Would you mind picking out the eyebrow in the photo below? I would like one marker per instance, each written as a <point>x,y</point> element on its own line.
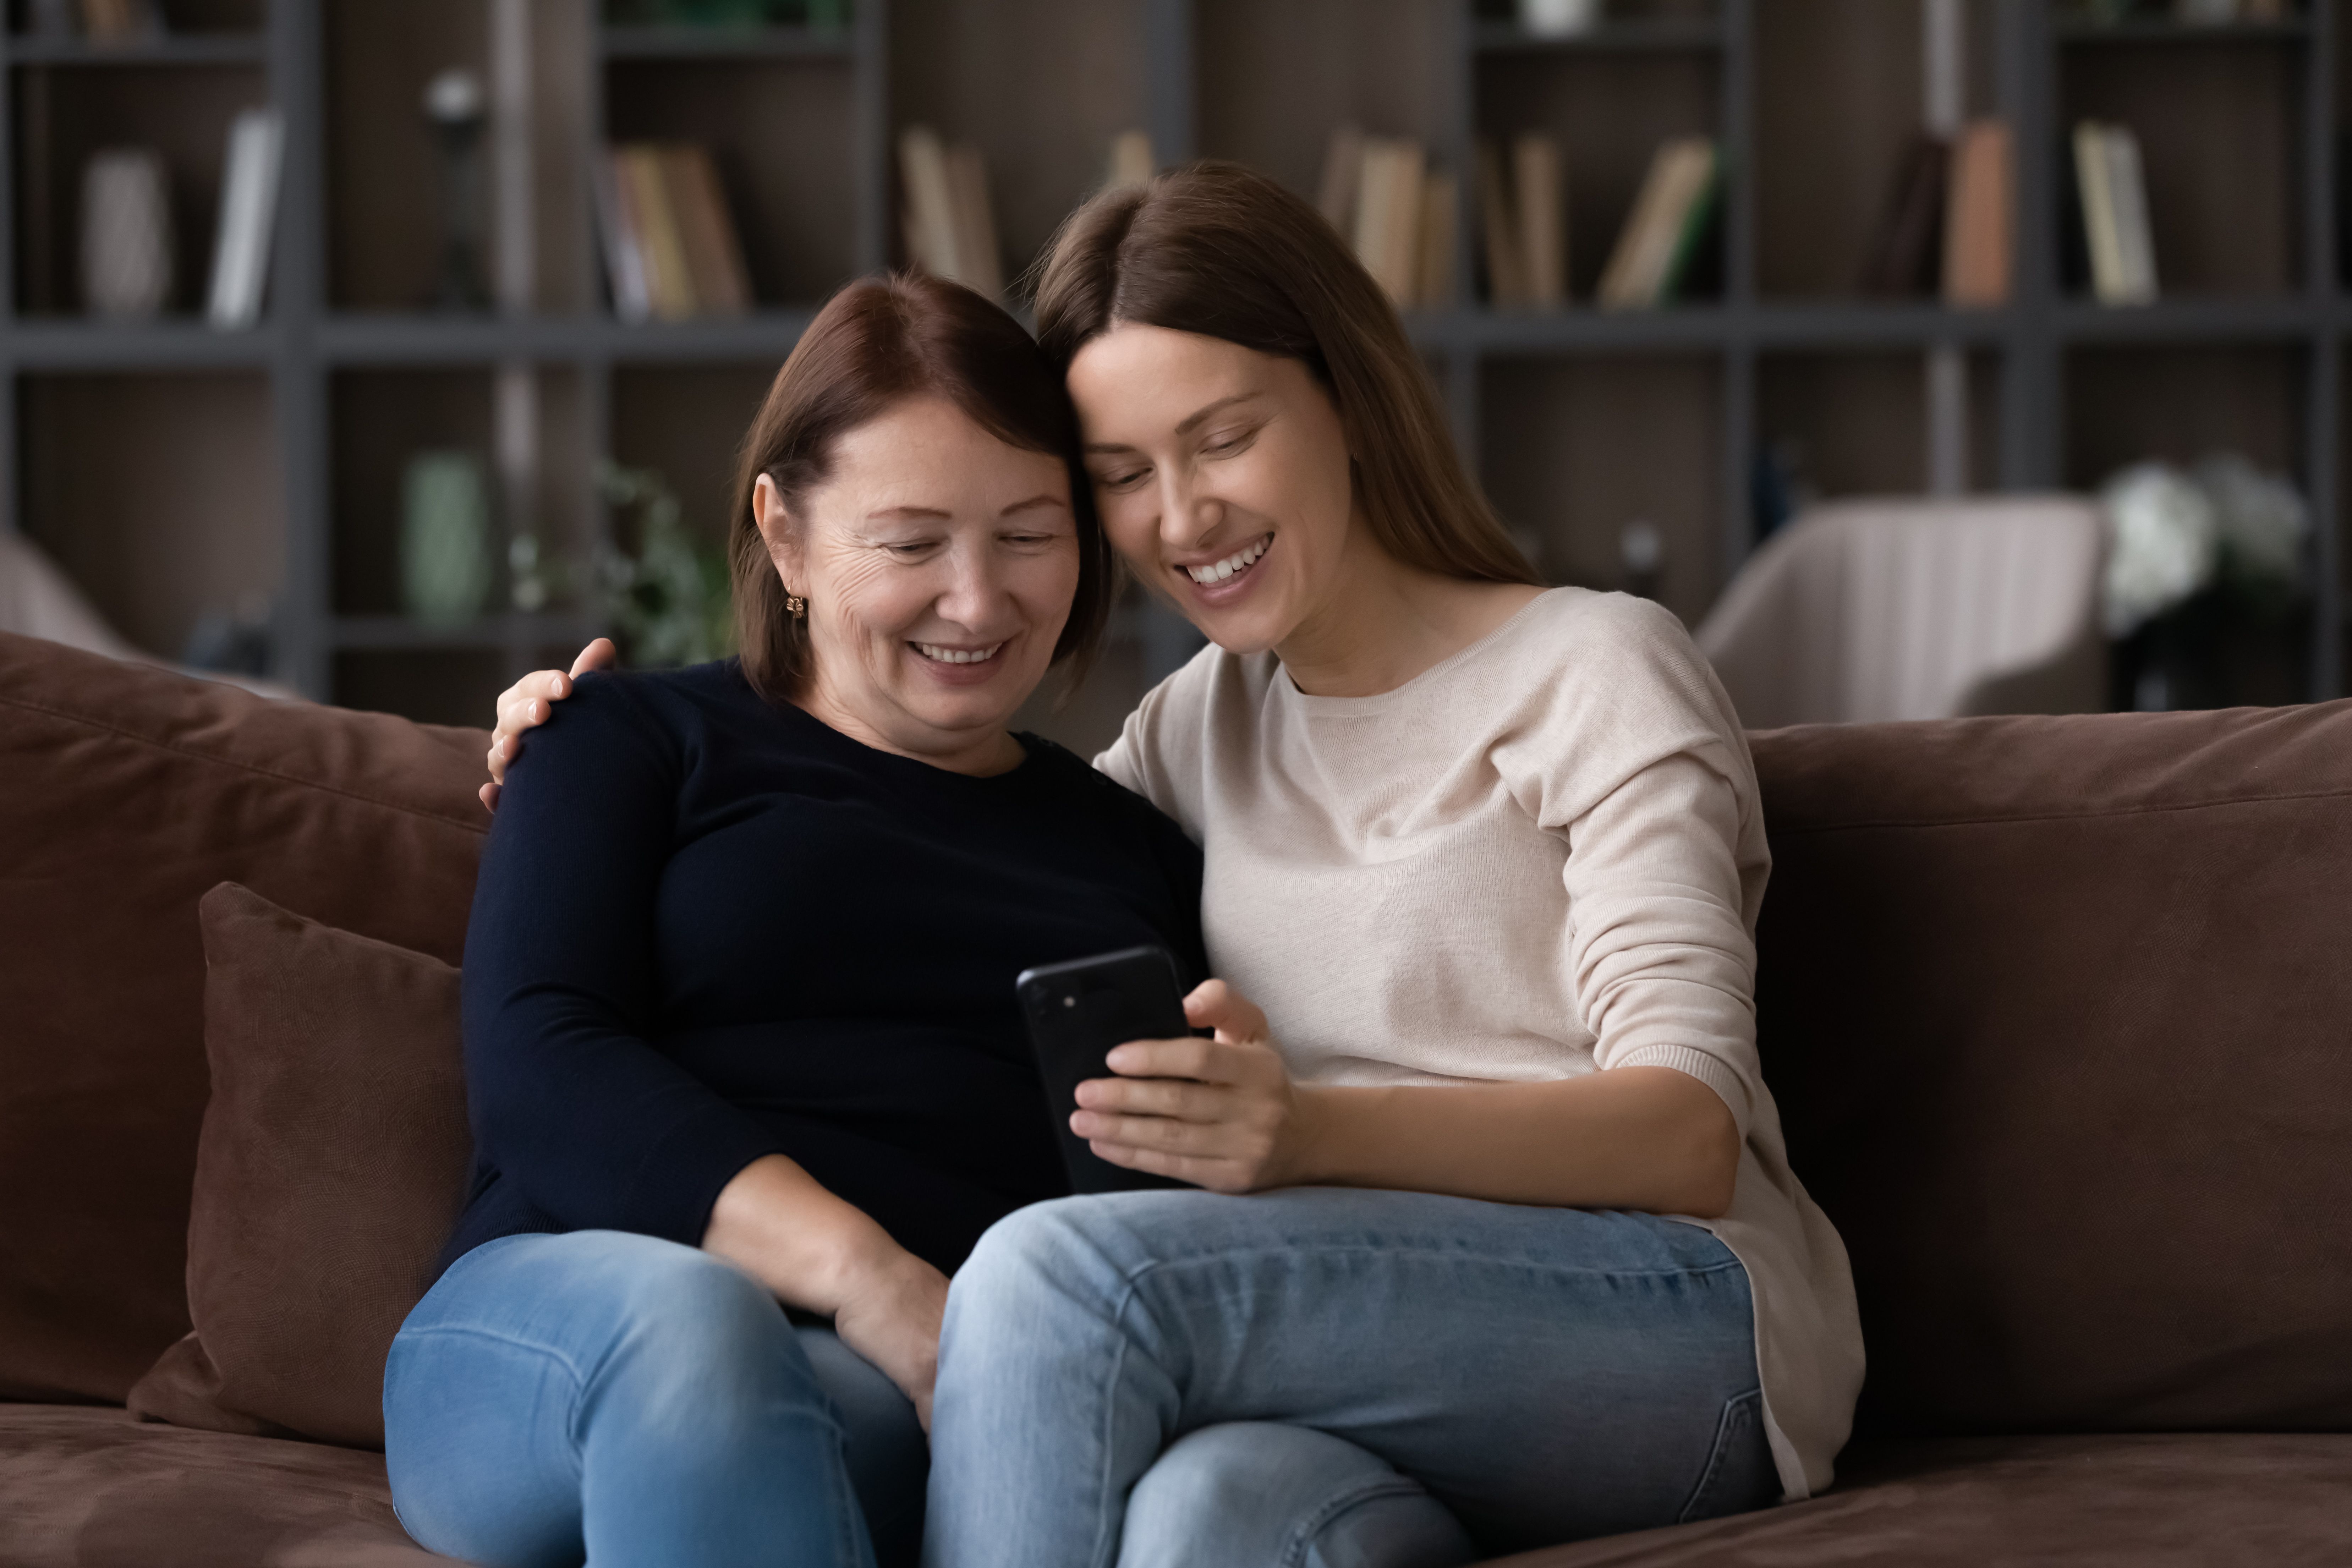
<point>1184,427</point>
<point>934,514</point>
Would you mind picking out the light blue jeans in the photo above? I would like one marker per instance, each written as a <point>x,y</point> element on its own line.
<point>1326,1378</point>
<point>638,1403</point>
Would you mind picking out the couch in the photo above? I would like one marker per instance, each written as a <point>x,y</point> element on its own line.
<point>2058,1012</point>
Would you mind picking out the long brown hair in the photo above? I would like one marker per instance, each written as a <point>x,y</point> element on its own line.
<point>876,342</point>
<point>1222,251</point>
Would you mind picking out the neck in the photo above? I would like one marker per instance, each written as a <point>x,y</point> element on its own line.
<point>1382,623</point>
<point>981,754</point>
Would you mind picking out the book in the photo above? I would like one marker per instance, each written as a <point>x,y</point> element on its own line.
<point>1979,214</point>
<point>257,147</point>
<point>2135,246</point>
<point>1906,252</point>
<point>1698,227</point>
<point>1498,229</point>
<point>1660,235</point>
<point>1388,213</point>
<point>669,281</point>
<point>120,21</point>
<point>1441,206</point>
<point>617,223</point>
<point>2098,211</point>
<point>931,202</point>
<point>1131,159</point>
<point>1538,188</point>
<point>981,263</point>
<point>1343,172</point>
<point>950,229</point>
<point>714,254</point>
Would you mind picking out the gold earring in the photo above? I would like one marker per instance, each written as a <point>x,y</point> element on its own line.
<point>795,605</point>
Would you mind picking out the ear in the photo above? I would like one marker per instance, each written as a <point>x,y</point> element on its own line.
<point>776,530</point>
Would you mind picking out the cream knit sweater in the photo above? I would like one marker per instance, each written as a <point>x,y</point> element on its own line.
<point>1538,859</point>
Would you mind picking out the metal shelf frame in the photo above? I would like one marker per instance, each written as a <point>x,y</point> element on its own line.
<point>304,343</point>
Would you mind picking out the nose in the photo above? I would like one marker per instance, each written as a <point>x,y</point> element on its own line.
<point>1188,513</point>
<point>976,595</point>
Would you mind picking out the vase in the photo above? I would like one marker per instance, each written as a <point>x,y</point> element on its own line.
<point>445,538</point>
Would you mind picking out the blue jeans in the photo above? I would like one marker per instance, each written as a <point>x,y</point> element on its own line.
<point>638,1403</point>
<point>1328,1377</point>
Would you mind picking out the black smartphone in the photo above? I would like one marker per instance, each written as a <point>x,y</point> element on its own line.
<point>1078,1013</point>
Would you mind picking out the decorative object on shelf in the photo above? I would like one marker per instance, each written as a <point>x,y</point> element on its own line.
<point>455,105</point>
<point>1131,159</point>
<point>2204,581</point>
<point>1903,257</point>
<point>670,601</point>
<point>445,538</point>
<point>126,233</point>
<point>1641,559</point>
<point>1559,18</point>
<point>1672,216</point>
<point>120,21</point>
<point>235,641</point>
<point>1980,220</point>
<point>257,145</point>
<point>671,252</point>
<point>532,577</point>
<point>1778,486</point>
<point>951,230</point>
<point>2114,213</point>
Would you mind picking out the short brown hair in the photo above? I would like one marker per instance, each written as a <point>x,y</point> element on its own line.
<point>1223,251</point>
<point>875,343</point>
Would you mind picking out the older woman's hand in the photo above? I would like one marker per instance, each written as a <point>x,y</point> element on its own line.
<point>1220,1113</point>
<point>529,702</point>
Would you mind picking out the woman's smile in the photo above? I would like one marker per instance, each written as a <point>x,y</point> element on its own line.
<point>1219,581</point>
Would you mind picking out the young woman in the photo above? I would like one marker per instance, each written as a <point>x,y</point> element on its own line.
<point>1522,1259</point>
<point>738,1030</point>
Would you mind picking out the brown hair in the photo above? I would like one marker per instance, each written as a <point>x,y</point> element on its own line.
<point>877,342</point>
<point>1222,251</point>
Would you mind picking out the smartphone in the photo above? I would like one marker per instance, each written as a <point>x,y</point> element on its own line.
<point>1077,1011</point>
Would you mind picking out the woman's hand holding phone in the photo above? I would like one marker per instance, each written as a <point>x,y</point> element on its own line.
<point>1220,1113</point>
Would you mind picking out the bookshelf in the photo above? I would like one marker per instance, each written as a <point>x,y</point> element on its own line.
<point>172,468</point>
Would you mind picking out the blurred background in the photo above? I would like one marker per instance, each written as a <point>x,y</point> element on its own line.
<point>1924,356</point>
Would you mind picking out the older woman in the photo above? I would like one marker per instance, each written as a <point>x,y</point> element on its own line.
<point>740,1021</point>
<point>1501,1245</point>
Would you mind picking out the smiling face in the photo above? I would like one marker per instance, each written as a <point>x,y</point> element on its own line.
<point>939,563</point>
<point>1222,477</point>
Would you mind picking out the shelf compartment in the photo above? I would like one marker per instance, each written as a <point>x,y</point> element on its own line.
<point>2124,404</point>
<point>1274,81</point>
<point>158,494</point>
<point>1856,423</point>
<point>1574,448</point>
<point>685,422</point>
<point>432,686</point>
<point>62,114</point>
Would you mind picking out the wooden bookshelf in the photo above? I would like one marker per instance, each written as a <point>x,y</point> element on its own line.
<point>285,443</point>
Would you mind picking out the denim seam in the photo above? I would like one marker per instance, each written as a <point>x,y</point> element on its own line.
<point>1152,1265</point>
<point>1726,1426</point>
<point>1106,1541</point>
<point>1294,1550</point>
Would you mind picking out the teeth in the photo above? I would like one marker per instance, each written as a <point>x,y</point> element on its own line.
<point>1239,561</point>
<point>958,655</point>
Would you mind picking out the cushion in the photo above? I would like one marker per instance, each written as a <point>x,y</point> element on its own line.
<point>333,1159</point>
<point>82,1487</point>
<point>2058,1012</point>
<point>126,793</point>
<point>2067,1502</point>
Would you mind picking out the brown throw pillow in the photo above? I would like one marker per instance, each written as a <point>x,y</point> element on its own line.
<point>333,1158</point>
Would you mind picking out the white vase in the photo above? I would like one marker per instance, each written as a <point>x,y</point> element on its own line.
<point>1559,18</point>
<point>126,233</point>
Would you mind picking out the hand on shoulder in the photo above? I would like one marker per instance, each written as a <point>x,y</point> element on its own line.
<point>530,702</point>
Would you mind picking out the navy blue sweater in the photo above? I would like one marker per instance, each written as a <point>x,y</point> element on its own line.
<point>709,930</point>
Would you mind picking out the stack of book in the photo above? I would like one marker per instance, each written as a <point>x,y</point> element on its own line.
<point>1523,222</point>
<point>670,246</point>
<point>2114,213</point>
<point>1397,214</point>
<point>1660,241</point>
<point>951,229</point>
<point>1947,223</point>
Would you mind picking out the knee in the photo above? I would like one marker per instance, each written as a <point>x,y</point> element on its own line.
<point>1267,1492</point>
<point>1031,1257</point>
<point>680,1329</point>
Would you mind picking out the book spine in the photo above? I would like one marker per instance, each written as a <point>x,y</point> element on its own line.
<point>667,277</point>
<point>624,261</point>
<point>1505,285</point>
<point>1978,215</point>
<point>1543,224</point>
<point>2135,246</point>
<point>1697,214</point>
<point>1440,214</point>
<point>712,260</point>
<point>977,257</point>
<point>2098,212</point>
<point>248,206</point>
<point>930,208</point>
<point>1621,286</point>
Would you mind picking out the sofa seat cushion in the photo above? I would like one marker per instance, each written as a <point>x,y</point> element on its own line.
<point>94,1487</point>
<point>2134,1501</point>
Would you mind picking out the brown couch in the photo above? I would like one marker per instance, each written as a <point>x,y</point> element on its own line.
<point>2058,1011</point>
